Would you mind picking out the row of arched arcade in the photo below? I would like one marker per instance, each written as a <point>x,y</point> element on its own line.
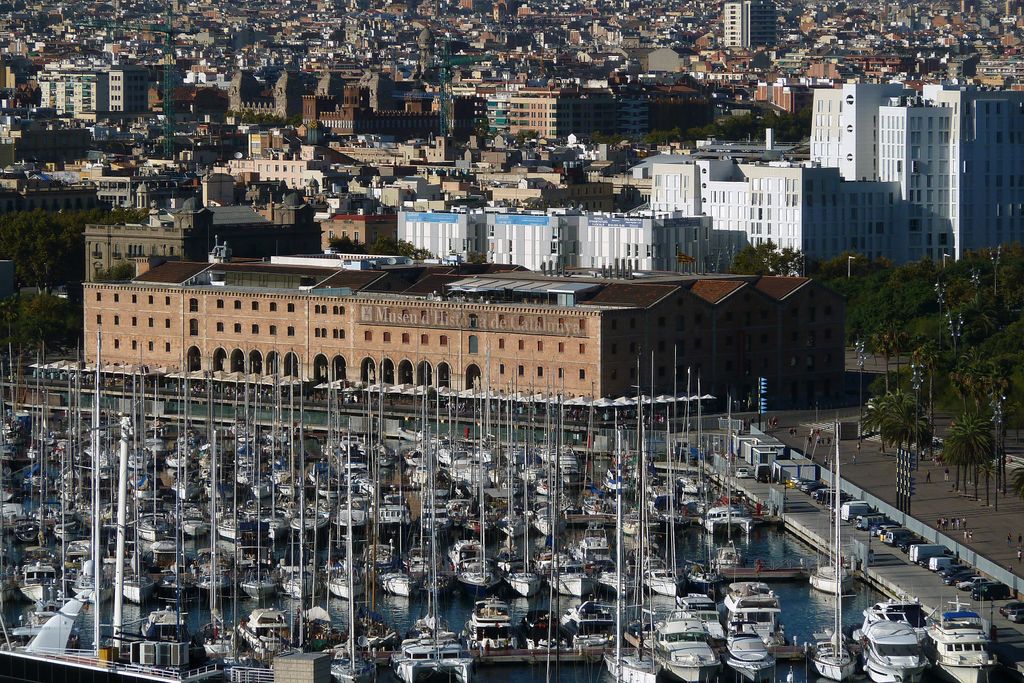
<point>328,369</point>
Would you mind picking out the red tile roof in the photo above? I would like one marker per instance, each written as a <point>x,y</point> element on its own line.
<point>714,291</point>
<point>780,287</point>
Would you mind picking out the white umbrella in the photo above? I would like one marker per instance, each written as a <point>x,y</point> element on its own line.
<point>604,403</point>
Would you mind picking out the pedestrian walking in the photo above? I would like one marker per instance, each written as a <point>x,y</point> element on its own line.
<point>1009,539</point>
<point>970,534</point>
<point>928,477</point>
<point>1020,540</point>
<point>1019,551</point>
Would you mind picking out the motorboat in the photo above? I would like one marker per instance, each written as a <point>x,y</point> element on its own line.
<point>831,658</point>
<point>590,624</point>
<point>958,644</point>
<point>665,581</point>
<point>419,658</point>
<point>632,668</point>
<point>682,647</point>
<point>525,584</point>
<point>572,579</point>
<point>753,606</point>
<point>907,612</point>
<point>138,589</point>
<point>265,631</point>
<point>701,607</point>
<point>37,579</point>
<point>490,626</point>
<point>892,653</point>
<point>721,518</point>
<point>749,657</point>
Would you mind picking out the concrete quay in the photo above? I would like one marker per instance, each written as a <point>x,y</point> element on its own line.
<point>880,566</point>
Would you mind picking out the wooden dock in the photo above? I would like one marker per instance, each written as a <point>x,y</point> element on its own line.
<point>765,574</point>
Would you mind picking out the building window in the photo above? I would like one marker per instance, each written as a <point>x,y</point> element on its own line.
<point>117,320</point>
<point>273,306</point>
<point>135,321</point>
<point>367,335</point>
<point>291,308</point>
<point>220,303</point>
<point>99,319</point>
<point>135,345</point>
<point>167,347</point>
<point>424,339</point>
<point>583,349</point>
<point>151,322</point>
<point>273,330</point>
<point>583,375</point>
<point>238,328</point>
<point>540,371</point>
<point>405,337</point>
<point>150,346</point>
<point>290,331</point>
<point>167,301</point>
<point>135,299</point>
<point>560,373</point>
<point>501,343</point>
<point>522,345</point>
<point>238,305</point>
<point>117,298</point>
<point>255,329</point>
<point>193,305</point>
<point>521,371</point>
<point>387,337</point>
<point>255,305</point>
<point>117,343</point>
<point>193,327</point>
<point>540,345</point>
<point>444,340</point>
<point>474,344</point>
<point>561,347</point>
<point>99,296</point>
<point>150,302</point>
<point>220,327</point>
<point>473,321</point>
<point>501,368</point>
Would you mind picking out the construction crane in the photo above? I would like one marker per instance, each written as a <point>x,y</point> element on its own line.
<point>166,30</point>
<point>444,72</point>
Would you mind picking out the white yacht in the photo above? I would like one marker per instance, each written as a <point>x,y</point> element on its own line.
<point>631,668</point>
<point>683,648</point>
<point>418,658</point>
<point>590,624</point>
<point>723,517</point>
<point>37,579</point>
<point>490,626</point>
<point>524,583</point>
<point>701,607</point>
<point>749,657</point>
<point>892,653</point>
<point>823,578</point>
<point>339,585</point>
<point>138,589</point>
<point>571,579</point>
<point>664,581</point>
<point>265,631</point>
<point>753,606</point>
<point>907,612</point>
<point>831,658</point>
<point>958,643</point>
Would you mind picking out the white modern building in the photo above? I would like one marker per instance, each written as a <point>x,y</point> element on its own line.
<point>445,234</point>
<point>748,23</point>
<point>955,152</point>
<point>799,206</point>
<point>559,239</point>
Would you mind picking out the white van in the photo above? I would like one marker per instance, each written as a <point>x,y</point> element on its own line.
<point>852,508</point>
<point>921,553</point>
<point>940,562</point>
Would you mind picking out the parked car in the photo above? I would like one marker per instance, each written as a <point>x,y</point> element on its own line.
<point>1016,615</point>
<point>905,544</point>
<point>809,486</point>
<point>1010,607</point>
<point>743,473</point>
<point>879,529</point>
<point>968,583</point>
<point>952,569</point>
<point>954,578</point>
<point>990,590</point>
<point>865,522</point>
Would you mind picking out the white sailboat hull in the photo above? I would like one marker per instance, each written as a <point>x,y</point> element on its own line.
<point>632,669</point>
<point>525,584</point>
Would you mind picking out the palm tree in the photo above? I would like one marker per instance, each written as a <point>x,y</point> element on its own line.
<point>969,443</point>
<point>1017,483</point>
<point>883,342</point>
<point>897,418</point>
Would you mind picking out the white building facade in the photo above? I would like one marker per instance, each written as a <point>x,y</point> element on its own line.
<point>445,234</point>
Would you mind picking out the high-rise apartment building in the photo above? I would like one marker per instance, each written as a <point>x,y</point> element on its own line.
<point>955,152</point>
<point>749,23</point>
<point>90,91</point>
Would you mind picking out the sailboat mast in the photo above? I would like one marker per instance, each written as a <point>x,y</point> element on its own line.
<point>95,444</point>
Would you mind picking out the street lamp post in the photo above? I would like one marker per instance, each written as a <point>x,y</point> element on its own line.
<point>956,325</point>
<point>915,381</point>
<point>849,266</point>
<point>996,255</point>
<point>859,346</point>
<point>940,295</point>
<point>1000,458</point>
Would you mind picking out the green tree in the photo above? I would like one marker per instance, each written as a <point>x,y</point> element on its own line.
<point>767,259</point>
<point>345,245</point>
<point>28,321</point>
<point>123,270</point>
<point>386,245</point>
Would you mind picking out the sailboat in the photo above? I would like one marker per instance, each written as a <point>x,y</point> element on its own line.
<point>628,668</point>
<point>829,654</point>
